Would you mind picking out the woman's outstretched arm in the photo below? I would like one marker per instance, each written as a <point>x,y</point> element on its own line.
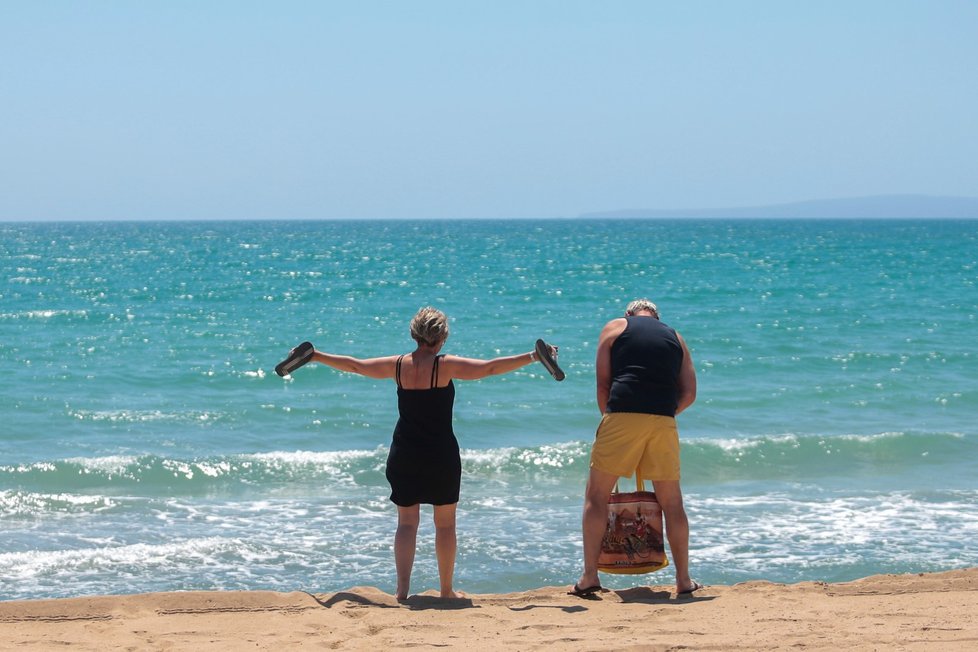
<point>474,369</point>
<point>371,367</point>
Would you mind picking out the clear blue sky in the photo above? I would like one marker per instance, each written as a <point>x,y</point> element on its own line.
<point>363,109</point>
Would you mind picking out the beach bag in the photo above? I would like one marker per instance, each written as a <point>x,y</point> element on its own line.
<point>632,542</point>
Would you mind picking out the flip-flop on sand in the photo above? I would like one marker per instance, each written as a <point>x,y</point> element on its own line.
<point>696,587</point>
<point>548,360</point>
<point>297,357</point>
<point>586,592</point>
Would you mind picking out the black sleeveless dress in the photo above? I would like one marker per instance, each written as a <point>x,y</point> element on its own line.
<point>424,465</point>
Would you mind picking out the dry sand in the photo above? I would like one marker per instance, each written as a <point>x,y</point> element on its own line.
<point>937,611</point>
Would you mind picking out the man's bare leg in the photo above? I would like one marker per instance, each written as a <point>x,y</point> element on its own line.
<point>670,498</point>
<point>594,522</point>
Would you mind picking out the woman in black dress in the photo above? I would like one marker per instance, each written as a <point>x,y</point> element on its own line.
<point>424,464</point>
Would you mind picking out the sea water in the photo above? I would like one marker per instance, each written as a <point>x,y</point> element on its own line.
<point>146,443</point>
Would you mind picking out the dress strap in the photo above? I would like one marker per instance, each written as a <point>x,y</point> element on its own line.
<point>434,372</point>
<point>397,376</point>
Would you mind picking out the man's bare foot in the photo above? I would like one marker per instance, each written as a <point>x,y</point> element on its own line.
<point>689,589</point>
<point>585,582</point>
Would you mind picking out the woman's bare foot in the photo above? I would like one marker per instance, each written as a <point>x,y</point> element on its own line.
<point>452,594</point>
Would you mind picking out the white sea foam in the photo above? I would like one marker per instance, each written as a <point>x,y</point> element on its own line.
<point>28,468</point>
<point>139,557</point>
<point>108,465</point>
<point>733,445</point>
<point>772,533</point>
<point>313,458</point>
<point>27,503</point>
<point>549,455</point>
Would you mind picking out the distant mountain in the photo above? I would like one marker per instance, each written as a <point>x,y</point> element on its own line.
<point>880,206</point>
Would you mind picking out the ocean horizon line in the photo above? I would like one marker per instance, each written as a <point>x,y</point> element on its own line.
<point>868,207</point>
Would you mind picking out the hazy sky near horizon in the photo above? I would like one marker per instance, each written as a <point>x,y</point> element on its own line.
<point>439,109</point>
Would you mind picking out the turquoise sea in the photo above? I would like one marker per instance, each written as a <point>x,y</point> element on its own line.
<point>147,444</point>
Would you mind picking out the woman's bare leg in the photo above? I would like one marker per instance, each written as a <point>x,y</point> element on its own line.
<point>445,547</point>
<point>405,543</point>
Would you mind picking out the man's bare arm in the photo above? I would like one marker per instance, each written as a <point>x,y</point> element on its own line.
<point>687,379</point>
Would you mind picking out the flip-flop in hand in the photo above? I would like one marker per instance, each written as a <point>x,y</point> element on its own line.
<point>297,357</point>
<point>547,355</point>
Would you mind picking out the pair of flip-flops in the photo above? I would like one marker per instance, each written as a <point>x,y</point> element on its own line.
<point>297,357</point>
<point>302,354</point>
<point>589,591</point>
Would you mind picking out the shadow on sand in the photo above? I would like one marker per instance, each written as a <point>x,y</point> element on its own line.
<point>414,602</point>
<point>646,595</point>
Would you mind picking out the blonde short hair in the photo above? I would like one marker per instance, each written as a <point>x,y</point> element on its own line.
<point>638,305</point>
<point>429,326</point>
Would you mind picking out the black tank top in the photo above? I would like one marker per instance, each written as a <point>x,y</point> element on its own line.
<point>425,415</point>
<point>645,363</point>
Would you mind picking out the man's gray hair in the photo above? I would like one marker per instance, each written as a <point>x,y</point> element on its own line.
<point>638,305</point>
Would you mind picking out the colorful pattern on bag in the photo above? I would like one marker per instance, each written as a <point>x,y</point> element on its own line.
<point>633,541</point>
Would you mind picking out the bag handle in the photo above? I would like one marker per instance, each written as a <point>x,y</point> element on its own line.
<point>639,483</point>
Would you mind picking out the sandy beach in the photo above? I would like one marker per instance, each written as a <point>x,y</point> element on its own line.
<point>884,612</point>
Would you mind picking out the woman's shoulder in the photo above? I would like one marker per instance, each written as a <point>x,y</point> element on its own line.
<point>449,362</point>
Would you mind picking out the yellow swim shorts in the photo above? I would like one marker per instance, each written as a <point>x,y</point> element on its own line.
<point>630,441</point>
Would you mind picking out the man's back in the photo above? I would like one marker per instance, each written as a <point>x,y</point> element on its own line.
<point>646,359</point>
